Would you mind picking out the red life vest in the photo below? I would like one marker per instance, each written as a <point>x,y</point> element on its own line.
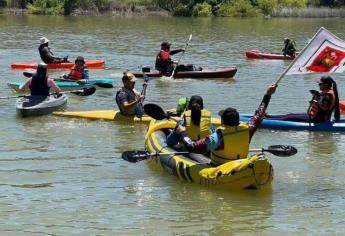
<point>164,55</point>
<point>75,74</point>
<point>317,113</point>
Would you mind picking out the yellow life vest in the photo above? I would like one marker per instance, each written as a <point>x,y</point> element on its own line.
<point>201,131</point>
<point>236,143</point>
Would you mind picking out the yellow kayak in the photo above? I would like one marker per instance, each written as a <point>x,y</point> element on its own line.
<point>253,172</point>
<point>110,115</point>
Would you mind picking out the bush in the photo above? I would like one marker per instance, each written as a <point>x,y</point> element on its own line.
<point>3,3</point>
<point>182,10</point>
<point>46,7</point>
<point>102,5</point>
<point>267,6</point>
<point>238,8</point>
<point>293,3</point>
<point>202,10</point>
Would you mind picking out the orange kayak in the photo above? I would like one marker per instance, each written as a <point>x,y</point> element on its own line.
<point>342,106</point>
<point>95,64</point>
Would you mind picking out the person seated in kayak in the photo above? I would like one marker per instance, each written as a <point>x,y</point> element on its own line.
<point>128,99</point>
<point>321,106</point>
<point>164,64</point>
<point>289,47</point>
<point>196,120</point>
<point>79,71</point>
<point>47,55</point>
<point>231,140</point>
<point>39,84</point>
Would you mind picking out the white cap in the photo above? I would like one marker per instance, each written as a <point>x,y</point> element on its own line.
<point>44,40</point>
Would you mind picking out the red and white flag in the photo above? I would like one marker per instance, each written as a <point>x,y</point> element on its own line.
<point>325,53</point>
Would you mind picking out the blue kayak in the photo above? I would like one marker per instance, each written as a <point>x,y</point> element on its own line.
<point>293,125</point>
<point>69,85</point>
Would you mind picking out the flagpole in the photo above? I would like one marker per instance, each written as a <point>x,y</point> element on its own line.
<point>295,59</point>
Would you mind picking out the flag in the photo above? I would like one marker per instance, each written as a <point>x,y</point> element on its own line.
<point>325,53</point>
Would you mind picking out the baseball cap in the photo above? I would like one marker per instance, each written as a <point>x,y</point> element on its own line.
<point>129,77</point>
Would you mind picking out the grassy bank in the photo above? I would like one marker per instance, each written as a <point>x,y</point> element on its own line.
<point>194,8</point>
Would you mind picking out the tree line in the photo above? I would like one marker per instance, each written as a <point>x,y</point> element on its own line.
<point>175,7</point>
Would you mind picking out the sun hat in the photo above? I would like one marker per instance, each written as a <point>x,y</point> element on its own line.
<point>44,40</point>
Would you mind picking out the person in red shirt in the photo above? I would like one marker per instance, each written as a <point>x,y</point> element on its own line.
<point>164,64</point>
<point>78,72</point>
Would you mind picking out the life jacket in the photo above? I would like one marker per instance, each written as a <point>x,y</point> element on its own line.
<point>46,54</point>
<point>198,132</point>
<point>235,144</point>
<point>163,61</point>
<point>318,114</point>
<point>39,86</point>
<point>131,97</point>
<point>76,74</point>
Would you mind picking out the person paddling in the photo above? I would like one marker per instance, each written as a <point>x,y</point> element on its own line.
<point>196,119</point>
<point>231,140</point>
<point>321,107</point>
<point>39,84</point>
<point>78,72</point>
<point>128,99</point>
<point>47,55</point>
<point>289,47</point>
<point>164,64</point>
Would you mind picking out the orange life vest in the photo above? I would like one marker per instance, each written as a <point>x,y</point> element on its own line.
<point>316,112</point>
<point>75,74</point>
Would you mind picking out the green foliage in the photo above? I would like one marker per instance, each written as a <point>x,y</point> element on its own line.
<point>182,10</point>
<point>238,8</point>
<point>102,5</point>
<point>202,10</point>
<point>46,7</point>
<point>267,6</point>
<point>3,3</point>
<point>174,5</point>
<point>293,3</point>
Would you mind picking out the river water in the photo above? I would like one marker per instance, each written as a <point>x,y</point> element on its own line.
<point>63,176</point>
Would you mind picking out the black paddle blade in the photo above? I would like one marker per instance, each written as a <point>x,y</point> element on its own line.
<point>28,74</point>
<point>281,150</point>
<point>104,85</point>
<point>155,111</point>
<point>134,156</point>
<point>85,91</point>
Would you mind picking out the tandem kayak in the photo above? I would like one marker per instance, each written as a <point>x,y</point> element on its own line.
<point>91,64</point>
<point>40,105</point>
<point>269,123</point>
<point>253,172</point>
<point>228,72</point>
<point>256,54</point>
<point>69,85</point>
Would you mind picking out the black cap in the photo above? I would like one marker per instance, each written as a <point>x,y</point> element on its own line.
<point>165,44</point>
<point>326,79</point>
<point>230,116</point>
<point>79,59</point>
<point>196,99</point>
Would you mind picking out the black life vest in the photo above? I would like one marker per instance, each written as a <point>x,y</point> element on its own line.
<point>39,86</point>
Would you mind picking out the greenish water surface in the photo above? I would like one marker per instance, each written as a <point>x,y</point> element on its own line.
<point>66,177</point>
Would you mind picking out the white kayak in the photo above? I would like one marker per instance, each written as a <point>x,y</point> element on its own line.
<point>40,105</point>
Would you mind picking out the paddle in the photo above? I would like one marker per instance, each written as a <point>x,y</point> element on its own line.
<point>185,48</point>
<point>100,84</point>
<point>140,108</point>
<point>156,112</point>
<point>277,150</point>
<point>80,92</point>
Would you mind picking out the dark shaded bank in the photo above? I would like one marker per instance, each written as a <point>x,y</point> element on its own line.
<point>118,11</point>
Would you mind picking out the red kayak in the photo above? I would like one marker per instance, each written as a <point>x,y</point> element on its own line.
<point>342,106</point>
<point>256,54</point>
<point>95,64</point>
<point>228,72</point>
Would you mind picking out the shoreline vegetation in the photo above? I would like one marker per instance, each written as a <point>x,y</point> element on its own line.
<point>186,8</point>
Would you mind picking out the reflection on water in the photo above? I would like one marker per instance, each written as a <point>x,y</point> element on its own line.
<point>63,176</point>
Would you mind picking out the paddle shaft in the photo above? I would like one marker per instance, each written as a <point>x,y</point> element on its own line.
<point>80,92</point>
<point>178,61</point>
